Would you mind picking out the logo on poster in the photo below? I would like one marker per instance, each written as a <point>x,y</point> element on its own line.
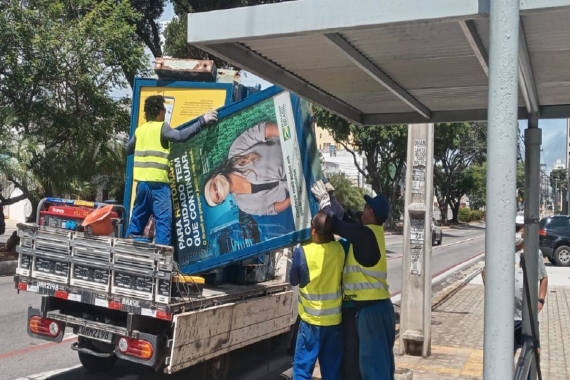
<point>286,133</point>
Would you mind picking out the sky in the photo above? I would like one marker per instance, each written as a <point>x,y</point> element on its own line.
<point>553,131</point>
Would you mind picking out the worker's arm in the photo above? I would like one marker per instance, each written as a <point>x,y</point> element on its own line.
<point>542,291</point>
<point>339,211</point>
<point>130,149</point>
<point>543,277</point>
<point>364,246</point>
<point>299,273</point>
<point>168,134</point>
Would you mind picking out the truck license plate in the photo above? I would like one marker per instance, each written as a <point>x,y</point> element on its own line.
<point>88,332</point>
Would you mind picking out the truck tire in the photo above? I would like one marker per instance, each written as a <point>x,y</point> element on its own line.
<point>217,368</point>
<point>562,256</point>
<point>95,363</point>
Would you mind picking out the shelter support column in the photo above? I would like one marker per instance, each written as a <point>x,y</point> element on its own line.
<point>502,136</point>
<point>415,314</point>
<point>532,140</point>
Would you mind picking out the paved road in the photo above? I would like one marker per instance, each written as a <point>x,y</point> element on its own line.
<point>24,357</point>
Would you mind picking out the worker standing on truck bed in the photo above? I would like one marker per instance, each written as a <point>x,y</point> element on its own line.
<point>368,314</point>
<point>151,147</point>
<point>317,269</point>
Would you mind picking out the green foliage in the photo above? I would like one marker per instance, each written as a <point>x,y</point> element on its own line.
<point>478,174</point>
<point>176,34</point>
<point>458,146</point>
<point>464,214</point>
<point>384,148</point>
<point>476,215</point>
<point>60,59</point>
<point>558,179</point>
<point>348,195</point>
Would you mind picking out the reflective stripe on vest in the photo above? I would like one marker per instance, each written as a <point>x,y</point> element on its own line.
<point>320,301</point>
<point>367,284</point>
<point>151,159</point>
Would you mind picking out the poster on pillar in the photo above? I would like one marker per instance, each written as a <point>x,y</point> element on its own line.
<point>241,187</point>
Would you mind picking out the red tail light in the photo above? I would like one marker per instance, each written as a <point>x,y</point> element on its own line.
<point>44,326</point>
<point>134,347</point>
<point>542,232</point>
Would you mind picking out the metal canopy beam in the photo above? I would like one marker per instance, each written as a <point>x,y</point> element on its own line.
<point>241,56</point>
<point>376,73</point>
<point>298,17</point>
<point>526,78</point>
<point>470,31</point>
<point>546,112</point>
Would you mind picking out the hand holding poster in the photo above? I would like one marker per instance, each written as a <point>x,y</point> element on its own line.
<point>240,187</point>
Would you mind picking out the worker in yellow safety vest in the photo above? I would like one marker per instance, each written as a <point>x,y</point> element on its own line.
<point>368,314</point>
<point>317,269</point>
<point>151,147</point>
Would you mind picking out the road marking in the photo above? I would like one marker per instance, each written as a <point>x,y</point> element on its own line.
<point>48,374</point>
<point>67,338</point>
<point>442,246</point>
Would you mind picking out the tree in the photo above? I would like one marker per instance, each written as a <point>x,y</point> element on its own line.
<point>176,34</point>
<point>60,59</point>
<point>384,149</point>
<point>348,195</point>
<point>559,183</point>
<point>558,179</point>
<point>456,147</point>
<point>477,194</point>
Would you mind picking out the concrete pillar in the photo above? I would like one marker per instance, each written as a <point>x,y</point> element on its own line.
<point>415,314</point>
<point>502,138</point>
<point>533,140</point>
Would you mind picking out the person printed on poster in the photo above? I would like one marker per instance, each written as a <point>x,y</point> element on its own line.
<point>254,173</point>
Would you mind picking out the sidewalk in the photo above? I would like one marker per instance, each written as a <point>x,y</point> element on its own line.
<point>457,334</point>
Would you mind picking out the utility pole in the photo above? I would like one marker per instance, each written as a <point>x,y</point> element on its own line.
<point>567,208</point>
<point>415,315</point>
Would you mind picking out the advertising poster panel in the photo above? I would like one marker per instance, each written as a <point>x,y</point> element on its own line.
<point>242,186</point>
<point>184,101</point>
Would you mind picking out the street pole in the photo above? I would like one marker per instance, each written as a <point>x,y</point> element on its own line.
<point>567,167</point>
<point>556,196</point>
<point>533,140</point>
<point>502,138</point>
<point>415,314</point>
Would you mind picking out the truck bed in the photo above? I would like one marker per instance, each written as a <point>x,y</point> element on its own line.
<point>51,263</point>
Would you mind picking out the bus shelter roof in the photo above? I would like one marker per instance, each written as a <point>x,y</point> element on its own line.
<point>393,62</point>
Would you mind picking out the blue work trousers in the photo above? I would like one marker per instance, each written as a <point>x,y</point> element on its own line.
<point>369,336</point>
<point>152,198</point>
<point>322,342</point>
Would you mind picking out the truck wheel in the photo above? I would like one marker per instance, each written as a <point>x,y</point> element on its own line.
<point>217,368</point>
<point>94,363</point>
<point>562,256</point>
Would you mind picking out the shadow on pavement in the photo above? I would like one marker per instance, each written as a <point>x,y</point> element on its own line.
<point>259,361</point>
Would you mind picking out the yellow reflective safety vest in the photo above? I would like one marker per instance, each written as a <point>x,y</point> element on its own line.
<point>151,159</point>
<point>367,284</point>
<point>321,300</point>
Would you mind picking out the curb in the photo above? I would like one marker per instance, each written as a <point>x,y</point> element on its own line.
<point>8,268</point>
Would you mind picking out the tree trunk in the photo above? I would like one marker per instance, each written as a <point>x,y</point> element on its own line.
<point>454,210</point>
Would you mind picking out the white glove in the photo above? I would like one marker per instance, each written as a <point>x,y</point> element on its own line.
<point>320,192</point>
<point>329,187</point>
<point>211,116</point>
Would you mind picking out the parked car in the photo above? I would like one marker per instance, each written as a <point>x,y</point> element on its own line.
<point>554,239</point>
<point>436,234</point>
